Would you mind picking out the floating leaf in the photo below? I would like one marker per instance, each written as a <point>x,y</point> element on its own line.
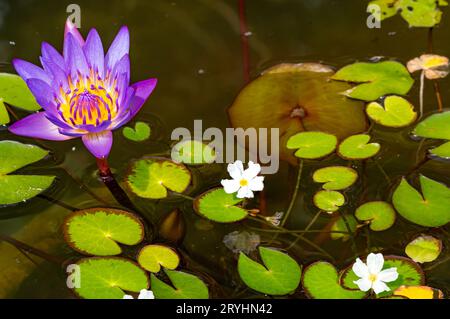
<point>378,79</point>
<point>442,151</point>
<point>296,98</point>
<point>357,147</point>
<point>185,286</point>
<point>397,112</point>
<point>430,209</point>
<point>109,278</point>
<point>219,206</point>
<point>424,249</point>
<point>193,152</point>
<point>139,133</point>
<point>436,126</point>
<point>312,145</point>
<point>14,91</point>
<point>18,188</point>
<point>423,13</point>
<point>419,292</point>
<point>152,257</point>
<point>321,281</point>
<point>335,177</point>
<point>279,275</point>
<point>381,215</point>
<point>4,116</point>
<point>329,201</point>
<point>341,226</point>
<point>99,231</point>
<point>151,178</point>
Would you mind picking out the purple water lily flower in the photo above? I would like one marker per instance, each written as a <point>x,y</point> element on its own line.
<point>83,92</point>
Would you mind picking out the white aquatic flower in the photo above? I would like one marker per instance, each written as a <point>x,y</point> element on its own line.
<point>144,294</point>
<point>244,182</point>
<point>371,274</point>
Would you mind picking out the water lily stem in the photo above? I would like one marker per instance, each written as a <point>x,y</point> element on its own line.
<point>294,194</point>
<point>437,91</point>
<point>351,234</point>
<point>307,228</point>
<point>422,86</point>
<point>185,196</point>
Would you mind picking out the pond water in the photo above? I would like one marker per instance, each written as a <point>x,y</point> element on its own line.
<point>194,48</point>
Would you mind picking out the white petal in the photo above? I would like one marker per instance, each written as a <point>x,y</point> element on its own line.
<point>256,184</point>
<point>127,297</point>
<point>363,284</point>
<point>230,186</point>
<point>379,286</point>
<point>245,192</point>
<point>236,170</point>
<point>146,294</point>
<point>388,275</point>
<point>252,171</point>
<point>360,269</point>
<point>375,263</point>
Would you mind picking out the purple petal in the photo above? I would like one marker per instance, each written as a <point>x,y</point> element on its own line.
<point>38,126</point>
<point>75,59</point>
<point>95,129</point>
<point>27,71</point>
<point>143,90</point>
<point>44,94</point>
<point>72,29</point>
<point>121,68</point>
<point>119,47</point>
<point>99,144</point>
<point>58,75</point>
<point>51,54</point>
<point>93,49</point>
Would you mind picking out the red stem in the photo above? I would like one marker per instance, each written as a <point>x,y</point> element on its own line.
<point>244,41</point>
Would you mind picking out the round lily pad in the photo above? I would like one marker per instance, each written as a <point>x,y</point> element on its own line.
<point>357,147</point>
<point>329,201</point>
<point>152,257</point>
<point>141,132</point>
<point>312,145</point>
<point>109,278</point>
<point>424,249</point>
<point>192,152</point>
<point>339,225</point>
<point>321,281</point>
<point>396,112</point>
<point>429,208</point>
<point>419,292</point>
<point>442,151</point>
<point>436,126</point>
<point>14,91</point>
<point>296,98</point>
<point>279,275</point>
<point>219,206</point>
<point>335,177</point>
<point>99,231</point>
<point>381,215</point>
<point>184,286</point>
<point>152,178</point>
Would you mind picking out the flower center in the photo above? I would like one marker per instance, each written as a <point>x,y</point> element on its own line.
<point>243,182</point>
<point>373,277</point>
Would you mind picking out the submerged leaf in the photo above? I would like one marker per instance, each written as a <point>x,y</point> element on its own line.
<point>328,201</point>
<point>341,229</point>
<point>152,257</point>
<point>419,292</point>
<point>424,249</point>
<point>335,177</point>
<point>357,147</point>
<point>139,133</point>
<point>381,215</point>
<point>436,126</point>
<point>185,286</point>
<point>312,145</point>
<point>396,112</point>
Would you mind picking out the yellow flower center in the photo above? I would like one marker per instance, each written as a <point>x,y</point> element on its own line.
<point>373,277</point>
<point>243,182</point>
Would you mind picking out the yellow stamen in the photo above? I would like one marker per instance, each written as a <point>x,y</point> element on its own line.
<point>243,182</point>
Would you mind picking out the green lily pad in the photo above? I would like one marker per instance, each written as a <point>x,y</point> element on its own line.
<point>442,151</point>
<point>436,126</point>
<point>329,201</point>
<point>381,215</point>
<point>4,115</point>
<point>152,178</point>
<point>279,275</point>
<point>109,278</point>
<point>321,281</point>
<point>339,225</point>
<point>357,147</point>
<point>193,152</point>
<point>335,177</point>
<point>185,286</point>
<point>424,249</point>
<point>219,206</point>
<point>397,112</point>
<point>409,274</point>
<point>152,257</point>
<point>430,209</point>
<point>312,145</point>
<point>19,188</point>
<point>378,79</point>
<point>141,132</point>
<point>99,231</point>
<point>423,13</point>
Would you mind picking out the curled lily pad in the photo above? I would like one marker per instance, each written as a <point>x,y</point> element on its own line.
<point>297,98</point>
<point>193,152</point>
<point>419,292</point>
<point>340,226</point>
<point>335,177</point>
<point>185,286</point>
<point>99,231</point>
<point>396,112</point>
<point>430,209</point>
<point>433,66</point>
<point>18,188</point>
<point>312,145</point>
<point>436,126</point>
<point>424,249</point>
<point>442,151</point>
<point>329,201</point>
<point>109,278</point>
<point>152,257</point>
<point>219,206</point>
<point>378,79</point>
<point>141,132</point>
<point>381,215</point>
<point>321,281</point>
<point>357,147</point>
<point>152,178</point>
<point>280,274</point>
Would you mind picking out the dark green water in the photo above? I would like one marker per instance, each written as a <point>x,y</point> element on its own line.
<point>193,47</point>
